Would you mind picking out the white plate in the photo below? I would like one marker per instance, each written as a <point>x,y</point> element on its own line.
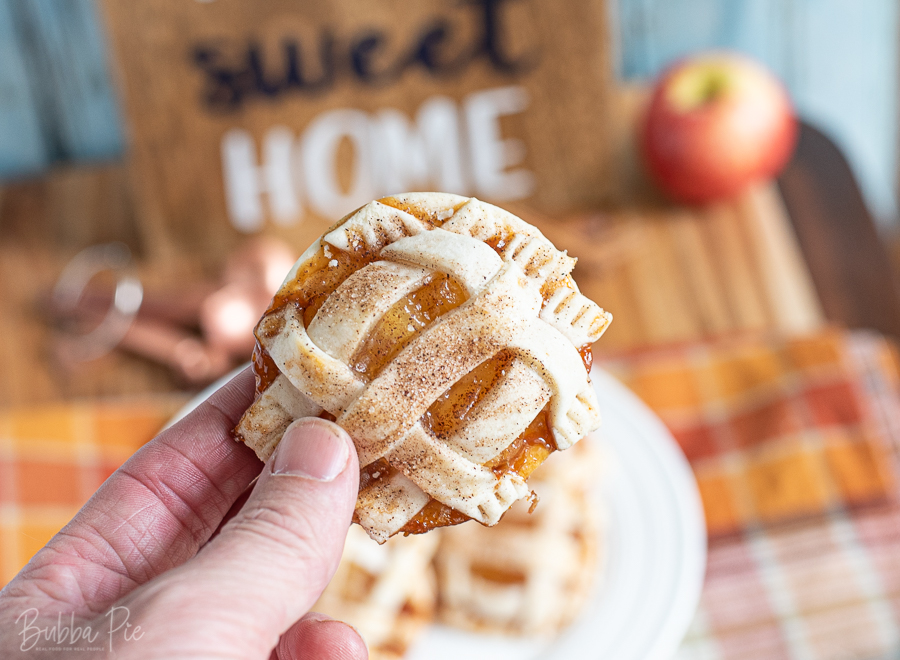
<point>654,555</point>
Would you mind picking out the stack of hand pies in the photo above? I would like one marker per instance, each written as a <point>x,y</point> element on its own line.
<point>529,575</point>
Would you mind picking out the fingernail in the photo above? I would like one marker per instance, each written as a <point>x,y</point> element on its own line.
<point>312,448</point>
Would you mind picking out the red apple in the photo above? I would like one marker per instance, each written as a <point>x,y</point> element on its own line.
<point>716,123</point>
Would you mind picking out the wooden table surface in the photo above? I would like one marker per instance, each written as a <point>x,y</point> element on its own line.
<point>785,258</point>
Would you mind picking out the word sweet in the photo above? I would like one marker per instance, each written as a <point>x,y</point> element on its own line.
<point>234,74</point>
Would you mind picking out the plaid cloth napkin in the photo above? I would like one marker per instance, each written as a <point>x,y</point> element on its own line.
<point>792,443</point>
<point>53,458</point>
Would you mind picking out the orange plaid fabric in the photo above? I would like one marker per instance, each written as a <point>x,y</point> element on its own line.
<point>794,444</point>
<point>777,430</point>
<point>53,458</point>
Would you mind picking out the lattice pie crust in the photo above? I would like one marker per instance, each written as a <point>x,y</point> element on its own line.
<point>444,334</point>
<point>387,592</point>
<point>532,573</point>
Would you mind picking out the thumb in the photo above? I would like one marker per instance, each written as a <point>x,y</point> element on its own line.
<point>272,560</point>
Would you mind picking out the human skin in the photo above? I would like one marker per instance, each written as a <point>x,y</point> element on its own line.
<point>185,545</point>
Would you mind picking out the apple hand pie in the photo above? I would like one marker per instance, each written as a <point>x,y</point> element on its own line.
<point>449,339</point>
<point>500,580</point>
<point>387,592</point>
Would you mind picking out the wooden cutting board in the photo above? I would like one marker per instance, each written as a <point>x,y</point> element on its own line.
<point>673,274</point>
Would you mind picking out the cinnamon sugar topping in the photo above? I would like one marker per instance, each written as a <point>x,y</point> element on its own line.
<point>442,334</point>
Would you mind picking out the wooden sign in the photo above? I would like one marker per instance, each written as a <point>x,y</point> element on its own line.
<point>282,116</point>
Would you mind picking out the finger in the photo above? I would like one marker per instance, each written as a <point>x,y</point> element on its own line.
<point>271,562</point>
<point>153,513</point>
<point>235,509</point>
<point>318,637</point>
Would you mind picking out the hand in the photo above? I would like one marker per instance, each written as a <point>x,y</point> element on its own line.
<point>179,554</point>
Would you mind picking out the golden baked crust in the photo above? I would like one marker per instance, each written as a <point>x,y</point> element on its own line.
<point>533,572</point>
<point>446,336</point>
<point>387,592</point>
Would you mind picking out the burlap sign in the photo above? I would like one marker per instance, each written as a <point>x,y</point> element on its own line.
<point>282,116</point>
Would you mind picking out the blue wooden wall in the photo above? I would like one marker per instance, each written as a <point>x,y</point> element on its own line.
<point>56,99</point>
<point>838,58</point>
